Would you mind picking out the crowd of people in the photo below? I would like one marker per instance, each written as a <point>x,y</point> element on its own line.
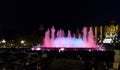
<point>22,59</point>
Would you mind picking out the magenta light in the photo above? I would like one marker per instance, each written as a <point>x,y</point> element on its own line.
<point>32,48</point>
<point>56,39</point>
<point>59,41</point>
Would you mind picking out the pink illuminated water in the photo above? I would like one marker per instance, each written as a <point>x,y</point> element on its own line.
<point>58,40</point>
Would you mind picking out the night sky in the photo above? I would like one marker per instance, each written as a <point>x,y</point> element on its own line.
<point>18,17</point>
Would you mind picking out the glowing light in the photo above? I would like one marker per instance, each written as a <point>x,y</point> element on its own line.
<point>11,44</point>
<point>38,49</point>
<point>66,42</point>
<point>3,41</point>
<point>89,50</point>
<point>22,42</point>
<point>59,41</point>
<point>107,40</point>
<point>32,48</point>
<point>61,49</point>
<point>102,49</point>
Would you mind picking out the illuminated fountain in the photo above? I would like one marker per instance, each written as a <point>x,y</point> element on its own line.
<point>60,41</point>
<point>56,39</point>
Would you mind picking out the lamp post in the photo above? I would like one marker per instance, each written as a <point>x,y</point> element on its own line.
<point>22,42</point>
<point>3,42</point>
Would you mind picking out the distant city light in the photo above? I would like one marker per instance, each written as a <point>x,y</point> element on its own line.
<point>3,41</point>
<point>107,40</point>
<point>11,44</point>
<point>38,49</point>
<point>61,49</point>
<point>89,50</point>
<point>22,42</point>
<point>32,48</point>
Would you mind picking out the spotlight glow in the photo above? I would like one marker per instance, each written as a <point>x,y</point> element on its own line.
<point>59,41</point>
<point>38,49</point>
<point>61,49</point>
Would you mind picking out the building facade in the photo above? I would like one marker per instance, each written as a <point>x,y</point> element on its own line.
<point>107,33</point>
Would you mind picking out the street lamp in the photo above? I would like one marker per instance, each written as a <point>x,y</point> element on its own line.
<point>22,42</point>
<point>3,41</point>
